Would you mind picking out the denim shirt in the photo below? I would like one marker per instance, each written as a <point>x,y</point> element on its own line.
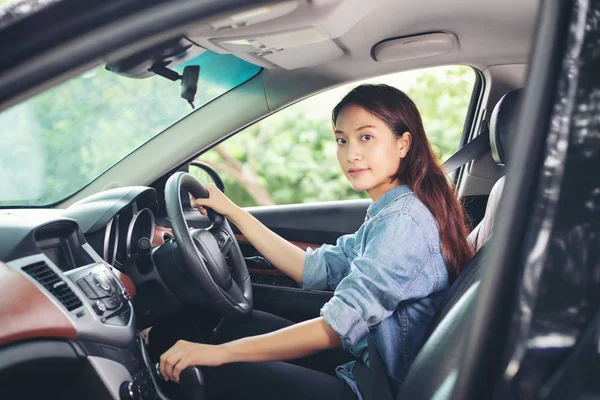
<point>388,279</point>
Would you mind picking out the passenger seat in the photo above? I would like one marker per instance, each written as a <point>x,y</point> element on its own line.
<point>502,130</point>
<point>503,125</point>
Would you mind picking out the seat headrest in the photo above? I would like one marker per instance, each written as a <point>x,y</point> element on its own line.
<point>503,125</point>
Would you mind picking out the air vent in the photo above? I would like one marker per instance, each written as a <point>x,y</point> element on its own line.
<point>46,276</point>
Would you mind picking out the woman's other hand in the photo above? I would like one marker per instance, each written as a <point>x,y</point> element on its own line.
<point>159,235</point>
<point>184,354</point>
<point>216,200</point>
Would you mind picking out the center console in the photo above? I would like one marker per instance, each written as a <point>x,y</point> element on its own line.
<point>143,384</point>
<point>112,307</point>
<point>92,316</point>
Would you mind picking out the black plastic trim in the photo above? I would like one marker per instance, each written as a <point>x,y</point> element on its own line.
<point>25,368</point>
<point>472,113</point>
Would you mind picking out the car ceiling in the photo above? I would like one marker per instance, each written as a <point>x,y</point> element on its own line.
<point>488,33</point>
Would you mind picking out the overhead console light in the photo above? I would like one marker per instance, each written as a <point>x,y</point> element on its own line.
<point>253,16</point>
<point>410,47</point>
<point>270,43</point>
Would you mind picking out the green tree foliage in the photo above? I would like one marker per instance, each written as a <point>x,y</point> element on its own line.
<point>79,130</point>
<point>443,99</point>
<point>59,141</point>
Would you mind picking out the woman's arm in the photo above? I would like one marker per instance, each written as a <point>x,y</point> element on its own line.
<point>296,341</point>
<point>286,257</point>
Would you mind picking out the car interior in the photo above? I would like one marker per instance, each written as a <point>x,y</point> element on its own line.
<point>85,275</point>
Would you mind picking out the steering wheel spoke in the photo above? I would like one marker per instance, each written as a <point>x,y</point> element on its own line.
<point>237,295</point>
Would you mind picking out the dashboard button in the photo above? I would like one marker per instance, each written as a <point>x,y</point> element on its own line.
<point>113,302</point>
<point>130,391</point>
<point>102,281</point>
<point>85,287</point>
<point>99,307</point>
<point>99,293</point>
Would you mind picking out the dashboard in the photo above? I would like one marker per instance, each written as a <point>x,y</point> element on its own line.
<point>115,221</point>
<point>124,232</point>
<point>62,282</point>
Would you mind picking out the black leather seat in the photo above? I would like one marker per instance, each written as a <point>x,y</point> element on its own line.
<point>440,355</point>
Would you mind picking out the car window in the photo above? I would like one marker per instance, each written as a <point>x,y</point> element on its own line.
<point>290,156</point>
<point>59,141</point>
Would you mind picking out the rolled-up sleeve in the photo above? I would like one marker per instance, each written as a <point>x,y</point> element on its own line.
<point>326,266</point>
<point>390,270</point>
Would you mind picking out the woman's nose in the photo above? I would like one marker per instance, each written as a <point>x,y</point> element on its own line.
<point>354,151</point>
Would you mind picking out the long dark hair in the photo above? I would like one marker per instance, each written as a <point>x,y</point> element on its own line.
<point>420,169</point>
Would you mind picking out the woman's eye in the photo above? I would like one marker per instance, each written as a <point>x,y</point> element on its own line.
<point>366,137</point>
<point>340,141</point>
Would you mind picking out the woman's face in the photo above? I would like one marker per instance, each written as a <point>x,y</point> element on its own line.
<point>368,151</point>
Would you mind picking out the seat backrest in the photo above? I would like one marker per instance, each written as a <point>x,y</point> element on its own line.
<point>502,131</point>
<point>460,286</point>
<point>483,230</point>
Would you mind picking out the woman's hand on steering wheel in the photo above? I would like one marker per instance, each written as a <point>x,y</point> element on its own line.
<point>216,201</point>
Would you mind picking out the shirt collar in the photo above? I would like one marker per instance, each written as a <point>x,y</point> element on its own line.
<point>386,199</point>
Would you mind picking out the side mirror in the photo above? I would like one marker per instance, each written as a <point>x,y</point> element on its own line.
<point>206,174</point>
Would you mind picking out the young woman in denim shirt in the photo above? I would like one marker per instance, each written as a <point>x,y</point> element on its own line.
<point>388,278</point>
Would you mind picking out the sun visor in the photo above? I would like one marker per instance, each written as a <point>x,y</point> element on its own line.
<point>418,46</point>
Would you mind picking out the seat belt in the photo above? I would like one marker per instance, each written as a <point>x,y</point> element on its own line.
<point>372,382</point>
<point>475,148</point>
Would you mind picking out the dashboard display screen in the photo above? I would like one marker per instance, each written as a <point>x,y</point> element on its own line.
<point>57,251</point>
<point>57,255</point>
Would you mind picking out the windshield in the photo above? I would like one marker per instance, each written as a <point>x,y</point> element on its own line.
<point>56,143</point>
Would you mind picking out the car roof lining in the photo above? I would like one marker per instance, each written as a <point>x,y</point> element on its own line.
<point>355,26</point>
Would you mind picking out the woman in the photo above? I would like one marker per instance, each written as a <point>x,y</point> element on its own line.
<point>388,277</point>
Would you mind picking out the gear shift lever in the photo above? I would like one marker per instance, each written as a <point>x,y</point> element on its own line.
<point>191,380</point>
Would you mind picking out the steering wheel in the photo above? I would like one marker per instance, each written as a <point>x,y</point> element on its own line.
<point>204,250</point>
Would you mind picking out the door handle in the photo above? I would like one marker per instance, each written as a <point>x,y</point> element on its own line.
<point>258,262</point>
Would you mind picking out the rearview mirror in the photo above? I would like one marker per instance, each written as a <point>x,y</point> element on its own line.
<point>189,83</point>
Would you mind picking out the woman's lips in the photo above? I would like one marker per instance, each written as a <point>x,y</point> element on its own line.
<point>357,171</point>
